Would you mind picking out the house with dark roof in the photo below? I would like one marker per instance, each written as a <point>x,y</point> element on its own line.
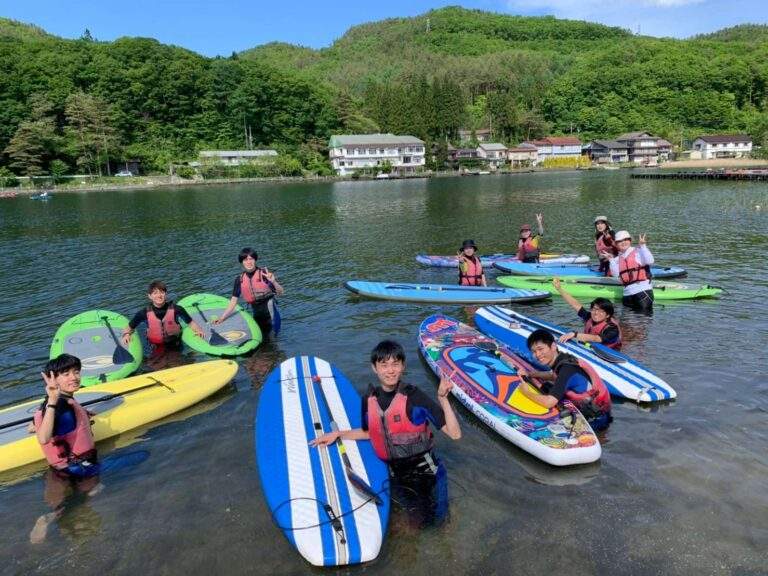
<point>606,152</point>
<point>722,146</point>
<point>523,155</point>
<point>642,147</point>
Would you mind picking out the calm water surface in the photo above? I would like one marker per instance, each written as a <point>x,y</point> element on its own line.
<point>681,488</point>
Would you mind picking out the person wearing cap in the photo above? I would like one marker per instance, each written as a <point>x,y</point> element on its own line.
<point>529,245</point>
<point>258,287</point>
<point>604,242</point>
<point>632,266</point>
<point>470,268</point>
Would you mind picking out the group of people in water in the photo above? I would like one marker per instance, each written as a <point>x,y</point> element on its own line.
<point>396,416</point>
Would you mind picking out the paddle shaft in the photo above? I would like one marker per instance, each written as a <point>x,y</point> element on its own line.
<point>88,403</point>
<point>120,352</point>
<point>219,339</point>
<point>444,288</point>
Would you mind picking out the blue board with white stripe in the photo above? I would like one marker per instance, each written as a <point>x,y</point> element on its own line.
<point>314,497</point>
<point>624,376</point>
<point>444,293</point>
<point>532,269</point>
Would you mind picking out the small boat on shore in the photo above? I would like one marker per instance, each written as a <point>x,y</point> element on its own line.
<point>42,196</point>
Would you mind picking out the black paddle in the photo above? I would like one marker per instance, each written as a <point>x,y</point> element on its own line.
<point>216,339</point>
<point>88,403</point>
<point>444,288</point>
<point>356,481</point>
<point>120,355</point>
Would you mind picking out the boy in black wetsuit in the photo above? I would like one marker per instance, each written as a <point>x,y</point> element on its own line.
<point>162,318</point>
<point>396,419</point>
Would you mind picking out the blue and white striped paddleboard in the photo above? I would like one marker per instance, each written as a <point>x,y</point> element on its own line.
<point>624,376</point>
<point>532,269</point>
<point>444,293</point>
<point>314,498</point>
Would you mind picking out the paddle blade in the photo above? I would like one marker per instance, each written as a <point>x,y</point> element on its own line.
<point>277,320</point>
<point>121,356</point>
<point>217,339</point>
<point>606,355</point>
<point>362,487</point>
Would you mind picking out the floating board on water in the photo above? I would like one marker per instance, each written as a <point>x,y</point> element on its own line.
<point>311,494</point>
<point>588,288</point>
<point>488,260</point>
<point>238,334</point>
<point>624,376</point>
<point>117,406</point>
<point>94,337</point>
<point>523,269</point>
<point>486,382</point>
<point>444,293</point>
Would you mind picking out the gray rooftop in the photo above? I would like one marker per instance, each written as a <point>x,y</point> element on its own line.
<point>236,153</point>
<point>610,144</point>
<point>372,140</point>
<point>492,146</point>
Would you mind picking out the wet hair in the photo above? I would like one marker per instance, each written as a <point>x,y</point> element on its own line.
<point>157,285</point>
<point>387,349</point>
<point>540,335</point>
<point>604,304</point>
<point>62,363</point>
<point>245,252</point>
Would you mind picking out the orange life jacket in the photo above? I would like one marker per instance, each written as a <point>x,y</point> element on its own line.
<point>165,330</point>
<point>596,398</point>
<point>597,328</point>
<point>630,270</point>
<point>528,251</point>
<point>605,245</point>
<point>255,288</point>
<point>392,433</point>
<point>471,272</point>
<point>60,450</point>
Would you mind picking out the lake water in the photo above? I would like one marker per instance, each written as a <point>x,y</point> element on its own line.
<point>681,488</point>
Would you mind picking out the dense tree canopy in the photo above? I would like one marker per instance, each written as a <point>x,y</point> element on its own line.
<point>84,102</point>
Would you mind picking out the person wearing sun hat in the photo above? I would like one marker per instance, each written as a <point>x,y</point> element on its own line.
<point>529,244</point>
<point>604,242</point>
<point>632,266</point>
<point>470,268</point>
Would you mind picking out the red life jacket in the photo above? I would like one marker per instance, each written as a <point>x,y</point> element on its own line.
<point>60,450</point>
<point>255,288</point>
<point>596,398</point>
<point>603,245</point>
<point>392,433</point>
<point>630,271</point>
<point>471,272</point>
<point>165,330</point>
<point>528,251</point>
<point>597,329</point>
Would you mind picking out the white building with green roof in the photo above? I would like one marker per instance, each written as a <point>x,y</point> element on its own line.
<point>350,153</point>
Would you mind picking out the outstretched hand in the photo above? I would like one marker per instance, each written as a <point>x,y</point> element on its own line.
<point>641,239</point>
<point>325,440</point>
<point>556,283</point>
<point>539,217</point>
<point>51,388</point>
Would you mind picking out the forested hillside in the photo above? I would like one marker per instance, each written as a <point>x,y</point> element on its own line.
<point>68,104</point>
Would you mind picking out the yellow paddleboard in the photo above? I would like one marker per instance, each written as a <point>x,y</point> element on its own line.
<point>120,406</point>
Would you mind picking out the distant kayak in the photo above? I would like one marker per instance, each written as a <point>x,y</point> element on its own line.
<point>41,196</point>
<point>443,293</point>
<point>522,269</point>
<point>590,288</point>
<point>488,260</point>
<point>624,376</point>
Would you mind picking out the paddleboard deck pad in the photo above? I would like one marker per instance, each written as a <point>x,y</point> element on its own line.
<point>309,491</point>
<point>591,288</point>
<point>524,269</point>
<point>91,337</point>
<point>488,260</point>
<point>487,383</point>
<point>140,400</point>
<point>623,376</point>
<point>444,293</point>
<point>239,332</point>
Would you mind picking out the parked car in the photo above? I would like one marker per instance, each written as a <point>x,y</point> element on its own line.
<point>124,173</point>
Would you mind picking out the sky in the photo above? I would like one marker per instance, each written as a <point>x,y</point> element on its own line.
<point>219,27</point>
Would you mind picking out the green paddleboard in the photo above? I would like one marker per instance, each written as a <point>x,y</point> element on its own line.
<point>94,337</point>
<point>238,334</point>
<point>590,288</point>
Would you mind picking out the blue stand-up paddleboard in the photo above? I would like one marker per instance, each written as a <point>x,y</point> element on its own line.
<point>444,293</point>
<point>332,503</point>
<point>485,380</point>
<point>525,269</point>
<point>488,260</point>
<point>623,376</point>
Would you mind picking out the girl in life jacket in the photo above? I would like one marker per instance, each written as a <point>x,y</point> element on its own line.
<point>604,243</point>
<point>258,287</point>
<point>633,268</point>
<point>599,322</point>
<point>162,317</point>
<point>62,425</point>
<point>528,244</point>
<point>568,378</point>
<point>470,268</point>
